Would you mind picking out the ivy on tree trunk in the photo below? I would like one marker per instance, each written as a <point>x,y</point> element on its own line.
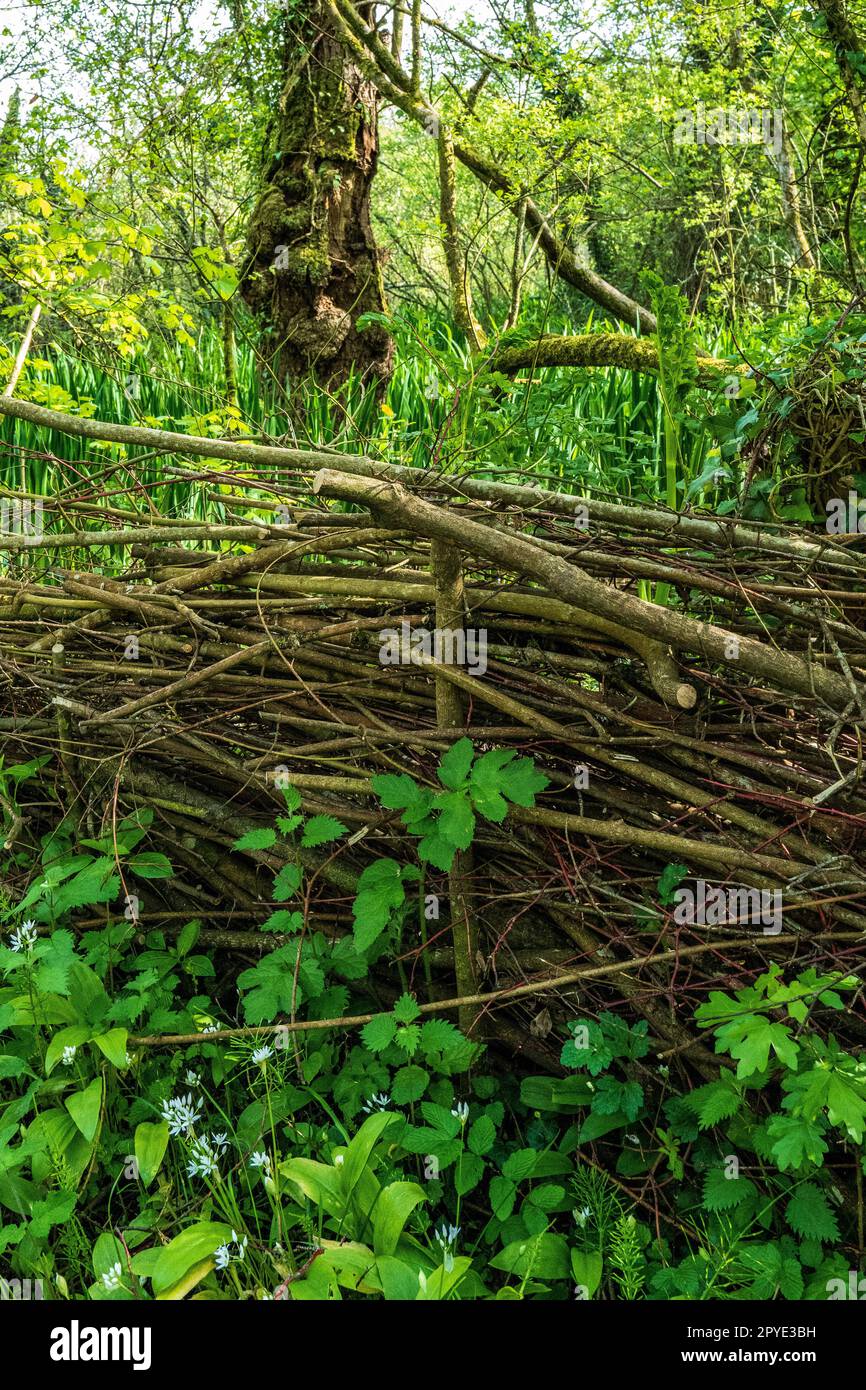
<point>312,266</point>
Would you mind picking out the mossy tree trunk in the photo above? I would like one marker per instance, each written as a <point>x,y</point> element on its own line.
<point>313,267</point>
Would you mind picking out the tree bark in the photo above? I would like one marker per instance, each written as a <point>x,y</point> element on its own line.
<point>312,266</point>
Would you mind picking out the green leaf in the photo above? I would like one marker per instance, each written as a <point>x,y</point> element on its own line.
<point>283,921</point>
<point>187,937</point>
<point>718,1100</point>
<point>55,1210</point>
<point>380,893</point>
<point>257,839</point>
<point>672,876</point>
<point>394,1205</point>
<point>66,1037</point>
<point>809,1214</point>
<point>287,882</point>
<point>502,1193</point>
<point>321,830</point>
<point>379,1032</point>
<point>795,1141</point>
<point>721,1193</point>
<point>439,1036</point>
<point>482,1135</point>
<point>468,1173</point>
<point>544,1256</point>
<point>150,865</point>
<point>409,1085</point>
<point>151,1142</point>
<point>520,1164</point>
<point>395,790</point>
<point>113,1046</point>
<point>406,1009</point>
<point>194,1247</point>
<point>85,1107</point>
<point>586,1267</point>
<point>454,765</point>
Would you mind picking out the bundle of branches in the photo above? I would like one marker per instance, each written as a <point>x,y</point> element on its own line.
<point>691,688</point>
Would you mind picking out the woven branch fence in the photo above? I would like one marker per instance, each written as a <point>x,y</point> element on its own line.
<point>693,688</point>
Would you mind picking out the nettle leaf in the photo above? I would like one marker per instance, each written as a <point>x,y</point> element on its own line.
<point>502,1194</point>
<point>808,1213</point>
<point>321,830</point>
<point>721,1193</point>
<point>408,1039</point>
<point>55,1210</point>
<point>380,893</point>
<point>287,825</point>
<point>439,1036</point>
<point>379,1032</point>
<point>257,839</point>
<point>293,799</point>
<point>58,958</point>
<point>718,1100</point>
<point>269,987</point>
<point>407,1009</point>
<point>287,882</point>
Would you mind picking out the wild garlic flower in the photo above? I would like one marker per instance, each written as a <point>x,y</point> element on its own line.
<point>191,1077</point>
<point>69,1055</point>
<point>202,1159</point>
<point>262,1055</point>
<point>447,1237</point>
<point>582,1215</point>
<point>25,938</point>
<point>461,1111</point>
<point>222,1257</point>
<point>113,1277</point>
<point>262,1160</point>
<point>181,1113</point>
<point>378,1102</point>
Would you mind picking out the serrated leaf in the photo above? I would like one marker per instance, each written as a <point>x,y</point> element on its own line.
<point>287,882</point>
<point>482,1135</point>
<point>716,1101</point>
<point>379,1032</point>
<point>409,1085</point>
<point>455,764</point>
<point>468,1173</point>
<point>406,1009</point>
<point>321,830</point>
<point>809,1214</point>
<point>722,1193</point>
<point>257,839</point>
